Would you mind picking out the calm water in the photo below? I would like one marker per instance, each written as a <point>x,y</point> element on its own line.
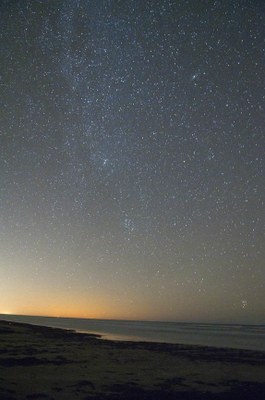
<point>235,336</point>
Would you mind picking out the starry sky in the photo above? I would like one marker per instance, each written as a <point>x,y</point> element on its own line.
<point>132,159</point>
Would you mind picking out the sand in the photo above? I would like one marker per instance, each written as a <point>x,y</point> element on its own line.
<point>45,363</point>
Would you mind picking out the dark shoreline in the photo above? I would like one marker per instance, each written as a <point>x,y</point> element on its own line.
<point>232,337</point>
<point>54,363</point>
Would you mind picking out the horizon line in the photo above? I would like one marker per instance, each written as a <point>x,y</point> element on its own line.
<point>132,320</point>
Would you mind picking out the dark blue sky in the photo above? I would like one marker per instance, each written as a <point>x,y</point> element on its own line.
<point>132,159</point>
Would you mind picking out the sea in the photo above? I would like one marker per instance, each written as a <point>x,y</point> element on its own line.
<point>251,337</point>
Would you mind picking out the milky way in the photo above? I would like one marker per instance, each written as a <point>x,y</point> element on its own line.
<point>132,159</point>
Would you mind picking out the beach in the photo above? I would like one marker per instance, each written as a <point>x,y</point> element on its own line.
<point>38,362</point>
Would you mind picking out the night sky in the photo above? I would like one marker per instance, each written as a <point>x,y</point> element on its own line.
<point>132,159</point>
